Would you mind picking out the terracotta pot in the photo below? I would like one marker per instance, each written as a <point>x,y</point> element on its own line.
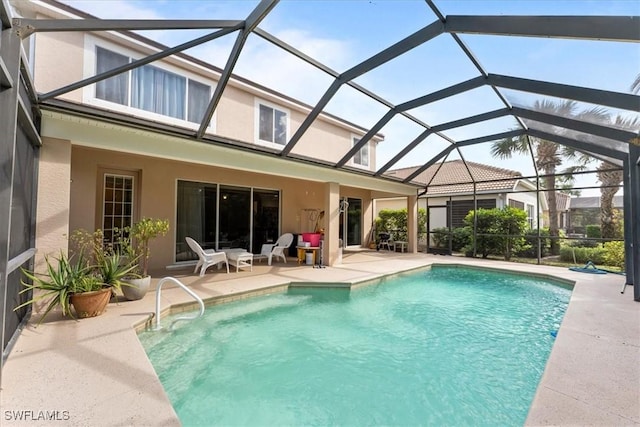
<point>135,289</point>
<point>91,304</point>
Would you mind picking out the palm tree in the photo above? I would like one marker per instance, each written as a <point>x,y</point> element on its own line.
<point>548,156</point>
<point>635,86</point>
<point>611,180</point>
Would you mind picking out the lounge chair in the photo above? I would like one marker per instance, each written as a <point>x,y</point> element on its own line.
<point>277,249</point>
<point>206,257</point>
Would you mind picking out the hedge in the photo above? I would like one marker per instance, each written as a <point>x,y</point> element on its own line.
<point>582,255</point>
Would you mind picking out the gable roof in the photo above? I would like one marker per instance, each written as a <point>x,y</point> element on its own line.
<point>453,177</point>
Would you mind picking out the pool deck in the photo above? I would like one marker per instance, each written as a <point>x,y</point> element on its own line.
<point>94,372</point>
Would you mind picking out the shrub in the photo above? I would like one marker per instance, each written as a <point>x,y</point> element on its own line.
<point>498,231</point>
<point>395,221</point>
<point>461,238</point>
<point>614,254</point>
<point>582,254</point>
<point>440,237</point>
<point>593,231</point>
<point>531,240</point>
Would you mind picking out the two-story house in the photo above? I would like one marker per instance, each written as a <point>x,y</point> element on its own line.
<point>123,148</point>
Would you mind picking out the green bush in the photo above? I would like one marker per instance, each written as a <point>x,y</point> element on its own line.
<point>614,254</point>
<point>394,221</point>
<point>531,240</point>
<point>461,238</point>
<point>490,224</point>
<point>593,231</point>
<point>440,237</point>
<point>582,254</point>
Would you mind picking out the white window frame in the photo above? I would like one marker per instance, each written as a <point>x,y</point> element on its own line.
<point>354,140</point>
<point>89,92</point>
<point>104,215</point>
<point>256,123</point>
<point>530,210</point>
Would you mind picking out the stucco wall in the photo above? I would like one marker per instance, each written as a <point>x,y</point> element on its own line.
<point>59,62</point>
<point>54,175</point>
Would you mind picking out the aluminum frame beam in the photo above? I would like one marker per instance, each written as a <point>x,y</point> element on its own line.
<point>634,226</point>
<point>473,141</point>
<point>609,28</point>
<point>306,58</point>
<point>418,102</point>
<point>419,37</point>
<point>577,125</point>
<point>623,101</point>
<point>138,63</point>
<point>439,128</point>
<point>26,27</point>
<point>252,21</point>
<point>10,43</point>
<point>578,145</point>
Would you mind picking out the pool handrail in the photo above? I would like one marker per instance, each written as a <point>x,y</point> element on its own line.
<point>187,290</point>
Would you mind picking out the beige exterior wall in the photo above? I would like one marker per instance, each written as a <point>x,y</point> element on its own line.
<point>53,211</point>
<point>157,193</point>
<point>59,58</point>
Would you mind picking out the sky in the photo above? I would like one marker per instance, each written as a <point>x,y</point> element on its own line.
<point>343,33</point>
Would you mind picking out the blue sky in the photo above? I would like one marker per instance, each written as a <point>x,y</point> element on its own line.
<point>343,33</point>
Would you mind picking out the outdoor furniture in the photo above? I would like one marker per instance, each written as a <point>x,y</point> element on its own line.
<point>277,249</point>
<point>302,250</point>
<point>239,258</point>
<point>206,258</point>
<point>385,240</point>
<point>399,243</point>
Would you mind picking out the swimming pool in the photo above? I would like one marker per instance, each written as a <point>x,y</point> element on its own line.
<point>449,346</point>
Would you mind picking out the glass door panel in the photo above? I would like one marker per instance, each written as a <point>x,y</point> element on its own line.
<point>196,217</point>
<point>234,217</point>
<point>354,222</point>
<point>266,218</point>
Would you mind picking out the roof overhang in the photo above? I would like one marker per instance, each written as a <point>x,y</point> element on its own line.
<point>101,133</point>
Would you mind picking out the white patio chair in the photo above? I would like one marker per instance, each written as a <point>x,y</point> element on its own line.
<point>206,257</point>
<point>277,249</point>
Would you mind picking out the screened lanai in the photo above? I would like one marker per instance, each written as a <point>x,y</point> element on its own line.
<point>441,80</point>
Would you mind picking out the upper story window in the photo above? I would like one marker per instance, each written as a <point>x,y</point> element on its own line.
<point>273,124</point>
<point>361,158</point>
<point>151,89</point>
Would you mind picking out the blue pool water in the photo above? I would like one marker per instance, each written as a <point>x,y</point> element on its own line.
<point>449,346</point>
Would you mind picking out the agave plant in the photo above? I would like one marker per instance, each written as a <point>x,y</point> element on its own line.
<point>62,279</point>
<point>113,267</point>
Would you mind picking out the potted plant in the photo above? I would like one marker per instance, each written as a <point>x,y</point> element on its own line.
<point>66,284</point>
<point>135,242</point>
<point>110,264</point>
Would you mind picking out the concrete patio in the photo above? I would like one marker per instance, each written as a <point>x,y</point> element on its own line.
<point>95,371</point>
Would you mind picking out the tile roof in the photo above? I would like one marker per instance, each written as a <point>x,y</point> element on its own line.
<point>593,202</point>
<point>453,177</point>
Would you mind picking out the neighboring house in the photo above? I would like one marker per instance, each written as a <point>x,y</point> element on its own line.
<point>562,209</point>
<point>585,211</point>
<point>124,148</point>
<point>449,195</point>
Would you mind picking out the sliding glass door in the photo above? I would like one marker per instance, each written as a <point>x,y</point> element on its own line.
<point>235,217</point>
<point>195,217</point>
<point>223,216</point>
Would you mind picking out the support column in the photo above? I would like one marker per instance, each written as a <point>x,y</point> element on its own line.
<point>634,193</point>
<point>412,223</point>
<point>10,43</point>
<point>628,224</point>
<point>332,218</point>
